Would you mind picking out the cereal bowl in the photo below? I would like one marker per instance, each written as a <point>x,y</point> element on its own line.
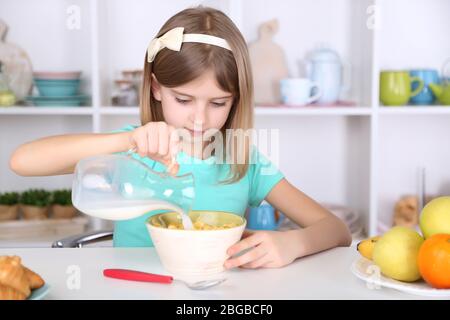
<point>197,254</point>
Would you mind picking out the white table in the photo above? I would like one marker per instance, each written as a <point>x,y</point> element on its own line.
<point>324,275</point>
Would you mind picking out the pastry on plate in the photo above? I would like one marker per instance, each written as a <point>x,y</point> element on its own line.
<point>16,280</point>
<point>34,279</point>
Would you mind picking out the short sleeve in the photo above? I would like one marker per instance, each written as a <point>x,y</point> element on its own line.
<point>127,128</point>
<point>263,176</point>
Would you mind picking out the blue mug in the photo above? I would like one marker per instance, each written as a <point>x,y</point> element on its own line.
<point>425,96</point>
<point>264,218</point>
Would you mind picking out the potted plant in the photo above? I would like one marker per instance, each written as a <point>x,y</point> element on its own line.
<point>35,203</point>
<point>9,206</point>
<point>62,207</point>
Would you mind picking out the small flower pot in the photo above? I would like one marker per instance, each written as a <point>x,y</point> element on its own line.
<point>63,212</point>
<point>34,213</point>
<point>9,212</point>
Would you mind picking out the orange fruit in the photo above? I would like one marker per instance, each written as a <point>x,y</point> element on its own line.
<point>434,261</point>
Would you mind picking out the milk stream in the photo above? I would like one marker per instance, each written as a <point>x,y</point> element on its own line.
<point>125,210</point>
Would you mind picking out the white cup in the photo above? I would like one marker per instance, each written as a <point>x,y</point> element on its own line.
<point>297,91</point>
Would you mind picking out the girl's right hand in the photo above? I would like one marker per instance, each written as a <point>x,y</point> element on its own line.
<point>158,141</point>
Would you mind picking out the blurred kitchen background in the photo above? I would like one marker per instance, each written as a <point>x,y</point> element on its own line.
<point>364,126</point>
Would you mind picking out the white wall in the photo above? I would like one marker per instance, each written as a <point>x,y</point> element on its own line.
<point>414,34</point>
<point>407,144</point>
<point>15,130</point>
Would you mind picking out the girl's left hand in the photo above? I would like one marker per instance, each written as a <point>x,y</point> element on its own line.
<point>267,249</point>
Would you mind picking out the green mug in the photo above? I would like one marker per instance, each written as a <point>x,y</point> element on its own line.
<point>395,87</point>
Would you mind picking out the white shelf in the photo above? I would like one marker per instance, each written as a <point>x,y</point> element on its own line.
<point>271,111</point>
<point>314,111</point>
<point>259,111</point>
<point>117,110</point>
<point>46,111</point>
<point>415,110</point>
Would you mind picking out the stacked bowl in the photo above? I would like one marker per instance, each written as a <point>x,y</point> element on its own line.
<point>57,89</point>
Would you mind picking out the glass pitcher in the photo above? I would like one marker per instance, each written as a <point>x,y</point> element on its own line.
<point>118,187</point>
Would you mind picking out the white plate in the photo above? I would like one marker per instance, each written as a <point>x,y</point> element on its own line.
<point>365,270</point>
<point>39,294</point>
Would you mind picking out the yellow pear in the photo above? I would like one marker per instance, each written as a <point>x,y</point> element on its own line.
<point>435,217</point>
<point>395,253</point>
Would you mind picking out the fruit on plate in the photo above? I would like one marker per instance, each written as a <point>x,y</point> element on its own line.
<point>365,247</point>
<point>395,253</point>
<point>435,217</point>
<point>434,261</point>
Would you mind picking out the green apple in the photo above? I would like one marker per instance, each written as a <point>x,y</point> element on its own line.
<point>435,217</point>
<point>395,253</point>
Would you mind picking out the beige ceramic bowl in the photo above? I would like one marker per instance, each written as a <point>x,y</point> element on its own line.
<point>193,255</point>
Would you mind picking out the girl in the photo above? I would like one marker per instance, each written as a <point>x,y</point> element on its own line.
<point>197,78</point>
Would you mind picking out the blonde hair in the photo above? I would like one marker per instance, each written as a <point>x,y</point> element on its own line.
<point>232,70</point>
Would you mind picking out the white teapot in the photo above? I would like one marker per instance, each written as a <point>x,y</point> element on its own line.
<point>326,69</point>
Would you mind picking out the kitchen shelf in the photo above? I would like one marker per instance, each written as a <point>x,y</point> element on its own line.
<point>314,111</point>
<point>118,110</point>
<point>46,111</point>
<point>271,111</point>
<point>415,110</point>
<point>259,111</point>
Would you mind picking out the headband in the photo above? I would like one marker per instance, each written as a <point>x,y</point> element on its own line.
<point>173,39</point>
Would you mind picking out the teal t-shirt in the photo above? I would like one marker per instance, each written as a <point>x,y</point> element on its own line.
<point>251,190</point>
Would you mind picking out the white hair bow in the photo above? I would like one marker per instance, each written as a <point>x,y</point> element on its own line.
<point>174,38</point>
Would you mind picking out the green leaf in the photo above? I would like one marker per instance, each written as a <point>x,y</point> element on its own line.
<point>9,198</point>
<point>62,197</point>
<point>36,197</point>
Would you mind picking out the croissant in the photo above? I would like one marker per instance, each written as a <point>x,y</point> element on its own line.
<point>13,275</point>
<point>16,280</point>
<point>34,279</point>
<point>8,293</point>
